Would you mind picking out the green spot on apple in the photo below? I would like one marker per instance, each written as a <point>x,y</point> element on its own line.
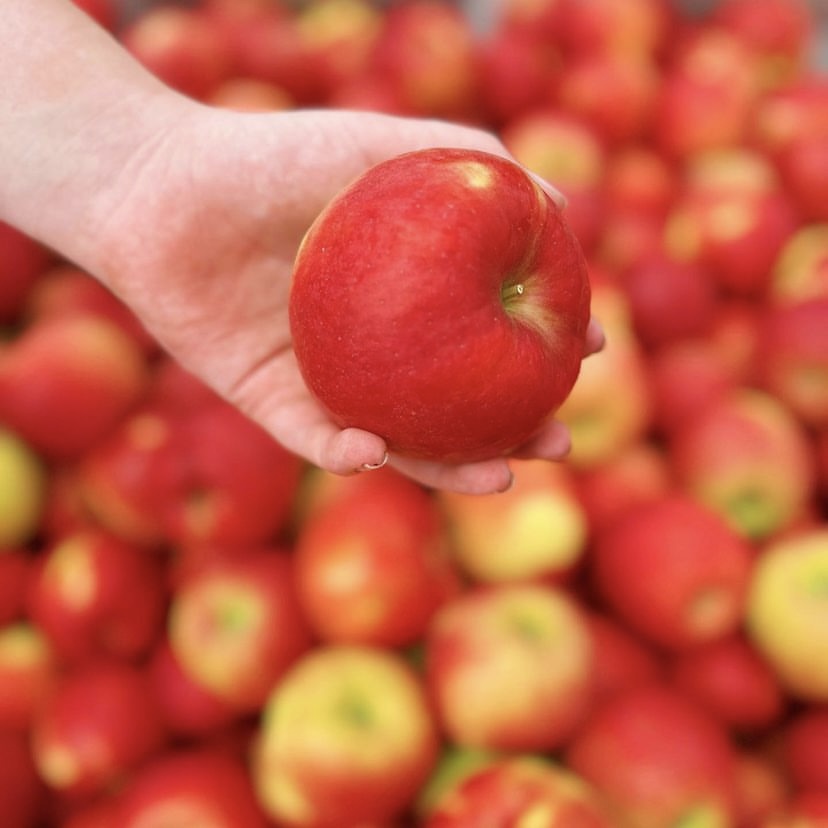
<point>356,712</point>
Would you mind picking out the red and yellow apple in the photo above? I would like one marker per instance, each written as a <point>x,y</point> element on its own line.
<point>448,279</point>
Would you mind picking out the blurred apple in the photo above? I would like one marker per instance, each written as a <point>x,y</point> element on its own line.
<point>732,216</point>
<point>707,95</point>
<point>638,474</point>
<point>613,92</point>
<point>195,786</point>
<point>564,150</point>
<point>23,489</point>
<point>669,299</point>
<point>188,708</point>
<point>348,730</point>
<point>520,790</point>
<point>674,571</point>
<point>801,269</point>
<point>373,562</point>
<point>804,748</point>
<point>609,408</point>
<point>66,382</point>
<point>235,625</point>
<point>426,51</point>
<point>94,595</point>
<point>621,658</point>
<point>97,724</point>
<point>535,530</point>
<point>510,667</point>
<point>65,290</point>
<point>517,72</point>
<point>762,788</point>
<point>657,759</point>
<point>786,611</point>
<point>749,459</point>
<point>780,32</point>
<point>28,670</point>
<point>792,362</point>
<point>732,681</point>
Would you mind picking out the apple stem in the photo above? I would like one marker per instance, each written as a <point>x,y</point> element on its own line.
<point>512,290</point>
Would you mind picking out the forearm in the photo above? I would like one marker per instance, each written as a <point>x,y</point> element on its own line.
<point>76,111</point>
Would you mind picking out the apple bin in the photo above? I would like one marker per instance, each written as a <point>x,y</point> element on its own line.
<point>197,628</point>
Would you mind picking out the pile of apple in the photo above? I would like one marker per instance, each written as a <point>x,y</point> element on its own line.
<point>198,629</point>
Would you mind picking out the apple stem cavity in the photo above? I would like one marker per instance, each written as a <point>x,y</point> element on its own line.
<point>509,292</point>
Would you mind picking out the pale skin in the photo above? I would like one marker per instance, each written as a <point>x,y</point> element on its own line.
<point>192,215</point>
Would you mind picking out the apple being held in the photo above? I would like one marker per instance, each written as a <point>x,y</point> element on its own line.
<point>464,328</point>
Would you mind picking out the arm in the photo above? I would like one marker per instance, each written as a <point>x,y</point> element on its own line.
<point>192,215</point>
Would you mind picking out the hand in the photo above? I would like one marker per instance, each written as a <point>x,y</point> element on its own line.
<point>199,234</point>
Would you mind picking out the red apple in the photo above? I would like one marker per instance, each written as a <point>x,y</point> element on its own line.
<point>183,47</point>
<point>510,667</point>
<point>426,50</point>
<point>658,760</point>
<point>450,391</point>
<point>21,794</point>
<point>339,37</point>
<point>786,611</point>
<point>707,95</point>
<point>373,562</point>
<point>627,27</point>
<point>535,530</point>
<point>94,595</point>
<point>674,571</point>
<point>64,383</point>
<point>780,31</point>
<point>621,658</point>
<point>804,170</point>
<point>348,731</point>
<point>638,474</point>
<point>609,408</point>
<point>686,376</point>
<point>804,808</point>
<point>23,489</point>
<point>98,723</point>
<point>638,178</point>
<point>733,216</point>
<point>235,485</point>
<point>28,670</point>
<point>187,708</point>
<point>66,290</point>
<point>792,359</point>
<point>563,149</point>
<point>801,269</point>
<point>23,260</point>
<point>190,473</point>
<point>235,625</point>
<point>669,299</point>
<point>520,790</point>
<point>517,71</point>
<point>805,748</point>
<point>615,93</point>
<point>749,459</point>
<point>196,786</point>
<point>731,680</point>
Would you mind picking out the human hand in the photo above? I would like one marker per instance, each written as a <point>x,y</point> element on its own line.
<point>199,235</point>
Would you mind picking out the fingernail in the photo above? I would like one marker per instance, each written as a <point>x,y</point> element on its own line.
<point>510,485</point>
<point>374,466</point>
